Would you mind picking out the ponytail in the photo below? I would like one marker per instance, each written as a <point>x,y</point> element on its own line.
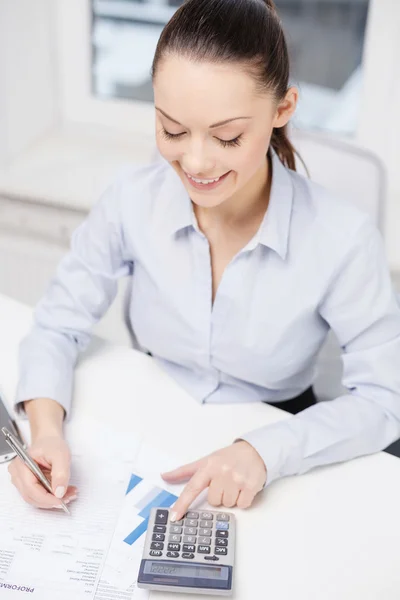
<point>283,147</point>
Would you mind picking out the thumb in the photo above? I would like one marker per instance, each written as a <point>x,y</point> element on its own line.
<point>60,472</point>
<point>184,472</point>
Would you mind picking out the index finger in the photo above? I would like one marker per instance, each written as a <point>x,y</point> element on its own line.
<point>192,489</point>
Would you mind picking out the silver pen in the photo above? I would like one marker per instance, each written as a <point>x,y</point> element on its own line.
<point>30,463</point>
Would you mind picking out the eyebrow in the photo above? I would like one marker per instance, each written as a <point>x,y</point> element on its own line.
<point>219,124</point>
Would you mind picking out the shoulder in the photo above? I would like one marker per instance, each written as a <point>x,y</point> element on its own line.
<point>331,218</point>
<point>132,181</point>
<point>135,190</point>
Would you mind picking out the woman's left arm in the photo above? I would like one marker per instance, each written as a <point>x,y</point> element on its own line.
<point>363,310</point>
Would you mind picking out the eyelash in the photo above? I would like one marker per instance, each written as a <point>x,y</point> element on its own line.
<point>175,136</point>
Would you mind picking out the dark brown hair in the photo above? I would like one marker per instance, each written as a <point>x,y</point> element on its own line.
<point>236,31</point>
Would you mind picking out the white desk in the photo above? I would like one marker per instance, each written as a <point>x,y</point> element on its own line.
<point>332,534</point>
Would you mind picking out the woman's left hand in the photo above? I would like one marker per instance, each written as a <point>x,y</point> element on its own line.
<point>233,475</point>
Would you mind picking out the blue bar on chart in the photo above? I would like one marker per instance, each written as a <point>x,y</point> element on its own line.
<point>163,499</point>
<point>153,498</point>
<point>134,480</point>
<point>136,533</point>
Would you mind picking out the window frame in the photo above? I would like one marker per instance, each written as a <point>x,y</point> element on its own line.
<point>79,105</point>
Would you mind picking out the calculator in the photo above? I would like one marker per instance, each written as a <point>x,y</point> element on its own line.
<point>195,554</point>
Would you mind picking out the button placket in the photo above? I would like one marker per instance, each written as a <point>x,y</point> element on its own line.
<point>233,274</point>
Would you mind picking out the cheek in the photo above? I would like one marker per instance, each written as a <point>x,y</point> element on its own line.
<point>250,157</point>
<point>168,150</point>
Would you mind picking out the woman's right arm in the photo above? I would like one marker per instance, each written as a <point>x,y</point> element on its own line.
<point>83,288</point>
<point>50,450</point>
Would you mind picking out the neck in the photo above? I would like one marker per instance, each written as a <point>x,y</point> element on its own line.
<point>244,206</point>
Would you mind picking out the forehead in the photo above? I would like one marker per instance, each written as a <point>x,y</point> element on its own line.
<point>193,91</point>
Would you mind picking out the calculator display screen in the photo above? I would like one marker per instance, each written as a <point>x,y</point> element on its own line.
<point>187,571</point>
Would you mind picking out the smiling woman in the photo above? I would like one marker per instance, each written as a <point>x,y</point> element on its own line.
<point>239,268</point>
<point>220,156</point>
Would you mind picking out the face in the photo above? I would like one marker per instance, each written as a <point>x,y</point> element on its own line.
<point>213,128</point>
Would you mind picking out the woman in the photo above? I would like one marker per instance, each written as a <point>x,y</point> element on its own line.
<point>239,269</point>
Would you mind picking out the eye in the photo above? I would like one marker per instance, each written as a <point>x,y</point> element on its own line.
<point>225,143</point>
<point>234,142</point>
<point>171,136</point>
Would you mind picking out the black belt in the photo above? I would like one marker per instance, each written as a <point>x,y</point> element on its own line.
<point>297,404</point>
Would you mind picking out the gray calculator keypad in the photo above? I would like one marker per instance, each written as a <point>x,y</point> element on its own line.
<point>202,533</point>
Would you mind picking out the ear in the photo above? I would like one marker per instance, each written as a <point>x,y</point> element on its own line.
<point>286,108</point>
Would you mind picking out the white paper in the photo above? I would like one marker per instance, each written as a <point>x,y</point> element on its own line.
<point>123,561</point>
<point>52,556</point>
<point>83,556</point>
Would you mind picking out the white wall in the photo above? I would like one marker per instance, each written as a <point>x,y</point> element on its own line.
<point>31,93</point>
<point>27,74</point>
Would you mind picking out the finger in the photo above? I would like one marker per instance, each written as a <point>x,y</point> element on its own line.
<point>215,492</point>
<point>60,472</point>
<point>38,457</point>
<point>230,495</point>
<point>184,472</point>
<point>196,485</point>
<point>245,498</point>
<point>39,497</point>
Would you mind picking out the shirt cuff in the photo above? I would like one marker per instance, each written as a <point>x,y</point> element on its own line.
<point>279,448</point>
<point>39,384</point>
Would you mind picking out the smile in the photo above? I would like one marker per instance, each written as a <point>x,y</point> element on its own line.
<point>206,183</point>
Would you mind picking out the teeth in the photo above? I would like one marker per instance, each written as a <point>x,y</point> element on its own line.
<point>204,181</point>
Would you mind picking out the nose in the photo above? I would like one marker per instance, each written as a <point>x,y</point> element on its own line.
<point>196,160</point>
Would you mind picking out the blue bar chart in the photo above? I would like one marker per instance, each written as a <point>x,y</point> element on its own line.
<point>145,499</point>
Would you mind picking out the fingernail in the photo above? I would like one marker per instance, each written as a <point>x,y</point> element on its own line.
<point>57,506</point>
<point>60,491</point>
<point>173,517</point>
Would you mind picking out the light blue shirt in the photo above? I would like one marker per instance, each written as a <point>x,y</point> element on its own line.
<point>315,263</point>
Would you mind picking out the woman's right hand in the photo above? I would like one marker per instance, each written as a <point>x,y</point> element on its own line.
<point>52,454</point>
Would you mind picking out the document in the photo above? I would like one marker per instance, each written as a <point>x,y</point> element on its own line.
<point>95,553</point>
<point>49,555</point>
<point>145,490</point>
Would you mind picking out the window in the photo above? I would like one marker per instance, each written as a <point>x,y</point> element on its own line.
<point>325,38</point>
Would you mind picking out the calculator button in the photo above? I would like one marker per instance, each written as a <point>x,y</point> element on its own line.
<point>156,545</point>
<point>191,522</point>
<point>159,529</point>
<point>158,537</point>
<point>161,517</point>
<point>190,531</point>
<point>211,558</point>
<point>219,550</point>
<point>222,525</point>
<point>188,548</point>
<point>180,522</point>
<point>174,547</point>
<point>175,529</point>
<point>173,554</point>
<point>220,533</point>
<point>155,553</point>
<point>205,532</point>
<point>222,517</point>
<point>175,538</point>
<point>221,542</point>
<point>205,540</point>
<point>203,549</point>
<point>192,515</point>
<point>187,555</point>
<point>207,516</point>
<point>189,539</point>
<point>206,524</point>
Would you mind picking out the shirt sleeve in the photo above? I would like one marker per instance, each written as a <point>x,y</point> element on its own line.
<point>363,310</point>
<point>84,286</point>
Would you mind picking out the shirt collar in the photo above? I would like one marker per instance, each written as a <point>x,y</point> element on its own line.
<point>274,229</point>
